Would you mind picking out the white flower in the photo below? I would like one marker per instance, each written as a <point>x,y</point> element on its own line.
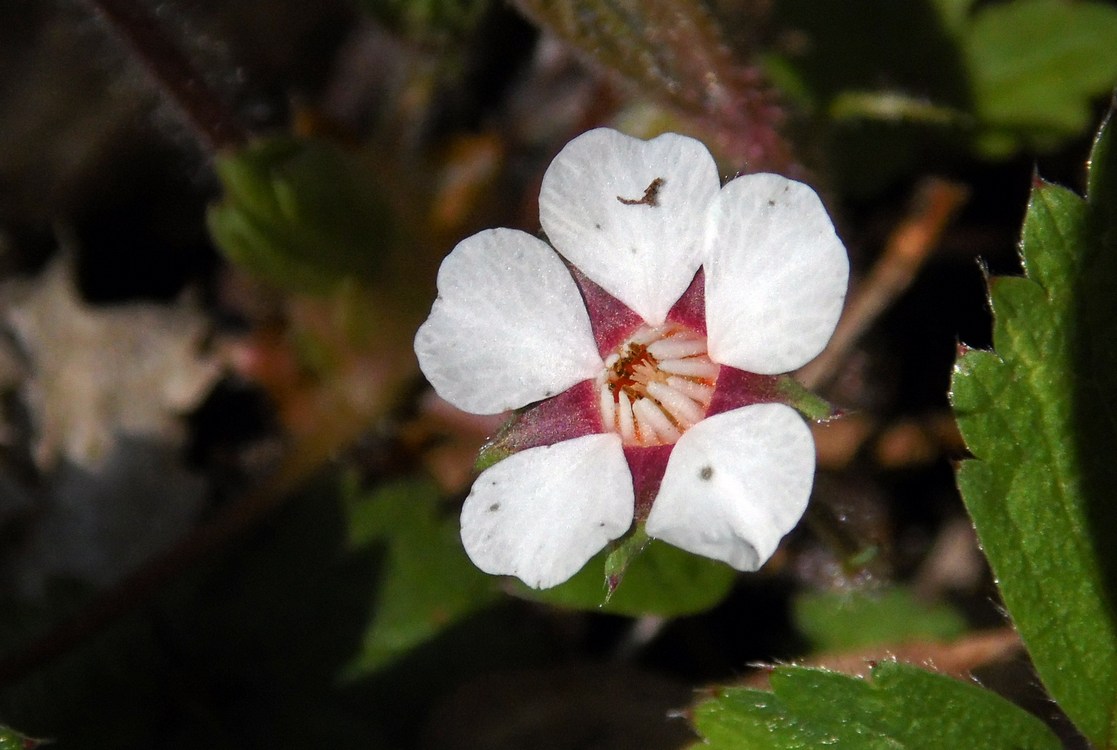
<point>647,410</point>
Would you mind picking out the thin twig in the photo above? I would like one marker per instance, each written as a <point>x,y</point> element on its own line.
<point>339,427</point>
<point>958,658</point>
<point>212,122</point>
<point>910,245</point>
<point>215,128</point>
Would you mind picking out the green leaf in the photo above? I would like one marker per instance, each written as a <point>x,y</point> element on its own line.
<point>954,13</point>
<point>1040,417</point>
<point>834,620</point>
<point>661,580</point>
<point>301,214</point>
<point>902,707</point>
<point>871,137</point>
<point>1035,66</point>
<point>1006,76</point>
<point>427,581</point>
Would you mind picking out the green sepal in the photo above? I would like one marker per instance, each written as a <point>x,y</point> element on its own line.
<point>659,580</point>
<point>495,449</point>
<point>812,406</point>
<point>621,554</point>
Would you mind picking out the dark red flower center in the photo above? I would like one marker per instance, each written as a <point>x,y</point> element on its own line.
<point>657,384</point>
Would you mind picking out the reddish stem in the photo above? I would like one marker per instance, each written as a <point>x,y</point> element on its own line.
<point>211,121</point>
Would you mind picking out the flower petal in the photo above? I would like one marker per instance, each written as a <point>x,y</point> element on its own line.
<point>541,514</point>
<point>735,484</point>
<point>776,275</point>
<point>508,327</point>
<point>644,252</point>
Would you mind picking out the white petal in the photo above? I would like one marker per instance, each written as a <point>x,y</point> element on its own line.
<point>735,484</point>
<point>776,275</point>
<point>541,514</point>
<point>508,326</point>
<point>644,255</point>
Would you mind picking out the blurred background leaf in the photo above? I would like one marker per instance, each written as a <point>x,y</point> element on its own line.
<point>837,620</point>
<point>302,214</point>
<point>940,76</point>
<point>662,580</point>
<point>1035,68</point>
<point>427,581</point>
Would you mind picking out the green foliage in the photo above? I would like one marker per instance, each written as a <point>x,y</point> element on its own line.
<point>942,76</point>
<point>1038,414</point>
<point>301,214</point>
<point>911,48</point>
<point>954,13</point>
<point>902,707</point>
<point>661,580</point>
<point>870,134</point>
<point>1035,66</point>
<point>834,620</point>
<point>13,740</point>
<point>426,583</point>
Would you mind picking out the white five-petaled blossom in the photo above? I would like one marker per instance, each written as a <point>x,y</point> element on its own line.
<point>644,359</point>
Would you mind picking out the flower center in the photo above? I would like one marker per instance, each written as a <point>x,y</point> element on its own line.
<point>657,385</point>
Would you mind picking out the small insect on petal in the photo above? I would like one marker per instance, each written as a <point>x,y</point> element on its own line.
<point>651,195</point>
<point>651,415</point>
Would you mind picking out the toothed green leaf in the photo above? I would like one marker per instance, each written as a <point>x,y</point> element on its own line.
<point>901,707</point>
<point>1040,417</point>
